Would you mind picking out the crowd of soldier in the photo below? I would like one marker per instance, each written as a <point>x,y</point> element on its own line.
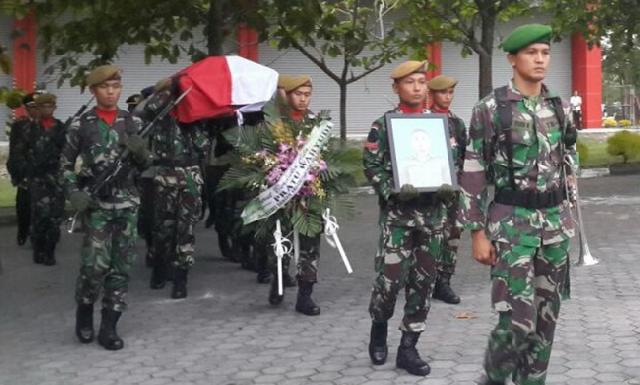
<point>178,167</point>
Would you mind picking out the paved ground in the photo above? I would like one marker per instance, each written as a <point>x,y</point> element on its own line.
<point>226,333</point>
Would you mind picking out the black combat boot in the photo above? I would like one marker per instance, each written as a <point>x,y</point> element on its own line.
<point>378,343</point>
<point>304,303</point>
<point>485,380</point>
<point>179,284</point>
<point>158,274</point>
<point>287,280</point>
<point>108,337</point>
<point>408,357</point>
<point>225,246</point>
<point>443,291</point>
<point>84,323</point>
<point>274,297</point>
<point>38,251</point>
<point>49,253</point>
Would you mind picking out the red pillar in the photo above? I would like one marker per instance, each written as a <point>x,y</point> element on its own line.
<point>434,55</point>
<point>247,39</point>
<point>24,55</point>
<point>587,79</point>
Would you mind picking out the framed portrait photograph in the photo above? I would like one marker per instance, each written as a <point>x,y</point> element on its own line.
<point>420,151</point>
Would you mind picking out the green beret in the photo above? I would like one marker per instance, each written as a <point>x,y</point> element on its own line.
<point>290,82</point>
<point>407,68</point>
<point>441,83</point>
<point>45,98</point>
<point>103,73</point>
<point>526,35</point>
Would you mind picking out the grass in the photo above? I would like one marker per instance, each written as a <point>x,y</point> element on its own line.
<point>7,193</point>
<point>598,156</point>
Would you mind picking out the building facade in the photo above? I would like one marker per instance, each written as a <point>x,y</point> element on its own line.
<point>574,67</point>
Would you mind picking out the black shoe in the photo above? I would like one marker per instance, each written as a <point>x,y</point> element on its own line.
<point>274,297</point>
<point>224,244</point>
<point>487,381</point>
<point>179,284</point>
<point>378,343</point>
<point>408,357</point>
<point>263,277</point>
<point>50,254</point>
<point>443,291</point>
<point>38,255</point>
<point>84,323</point>
<point>304,303</point>
<point>108,336</point>
<point>288,281</point>
<point>158,275</point>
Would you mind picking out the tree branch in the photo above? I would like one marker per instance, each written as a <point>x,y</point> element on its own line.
<point>319,62</point>
<point>367,72</point>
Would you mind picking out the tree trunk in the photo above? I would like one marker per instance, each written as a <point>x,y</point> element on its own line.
<point>214,28</point>
<point>343,110</point>
<point>485,80</point>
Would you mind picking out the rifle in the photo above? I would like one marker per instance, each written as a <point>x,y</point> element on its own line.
<point>115,170</point>
<point>73,117</point>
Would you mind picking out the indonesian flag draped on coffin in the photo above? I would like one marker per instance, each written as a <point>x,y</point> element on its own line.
<point>223,85</point>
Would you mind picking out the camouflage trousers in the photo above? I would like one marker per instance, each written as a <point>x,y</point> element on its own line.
<point>108,250</point>
<point>307,266</point>
<point>527,283</point>
<point>176,211</point>
<point>407,257</point>
<point>47,211</point>
<point>452,233</point>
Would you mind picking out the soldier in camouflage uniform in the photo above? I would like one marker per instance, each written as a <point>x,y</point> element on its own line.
<point>411,234</point>
<point>43,148</point>
<point>177,151</point>
<point>441,90</point>
<point>109,216</point>
<point>518,138</point>
<point>16,164</point>
<point>297,91</point>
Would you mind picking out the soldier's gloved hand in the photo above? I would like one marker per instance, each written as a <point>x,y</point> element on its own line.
<point>80,200</point>
<point>446,192</point>
<point>407,192</point>
<point>136,145</point>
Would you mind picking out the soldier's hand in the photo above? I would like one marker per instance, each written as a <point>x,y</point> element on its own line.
<point>446,192</point>
<point>80,200</point>
<point>136,145</point>
<point>482,249</point>
<point>407,192</point>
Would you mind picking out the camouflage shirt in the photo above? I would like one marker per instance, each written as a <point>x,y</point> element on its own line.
<point>537,142</point>
<point>458,136</point>
<point>425,211</point>
<point>99,145</point>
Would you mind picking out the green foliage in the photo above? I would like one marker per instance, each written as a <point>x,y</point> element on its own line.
<point>583,152</point>
<point>354,31</point>
<point>625,144</point>
<point>82,34</point>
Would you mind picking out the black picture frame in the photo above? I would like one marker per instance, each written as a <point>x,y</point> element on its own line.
<point>420,149</point>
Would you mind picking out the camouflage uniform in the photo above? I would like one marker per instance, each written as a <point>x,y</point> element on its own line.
<point>177,150</point>
<point>108,248</point>
<point>531,243</point>
<point>452,233</point>
<point>411,238</point>
<point>47,197</point>
<point>16,164</point>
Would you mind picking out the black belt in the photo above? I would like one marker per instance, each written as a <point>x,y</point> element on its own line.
<point>530,199</point>
<point>175,163</point>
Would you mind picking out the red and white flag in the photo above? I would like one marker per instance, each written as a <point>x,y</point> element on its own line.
<point>223,85</point>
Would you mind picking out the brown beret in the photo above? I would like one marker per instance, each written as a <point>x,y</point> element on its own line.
<point>41,99</point>
<point>441,83</point>
<point>407,68</point>
<point>290,82</point>
<point>102,74</point>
